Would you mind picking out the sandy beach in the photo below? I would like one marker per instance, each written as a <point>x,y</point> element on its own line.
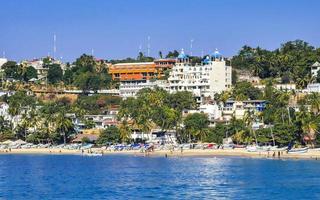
<point>311,154</point>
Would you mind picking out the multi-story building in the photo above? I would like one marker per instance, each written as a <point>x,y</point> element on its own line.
<point>140,71</point>
<point>163,65</point>
<point>131,88</point>
<point>133,71</point>
<point>238,109</point>
<point>203,80</point>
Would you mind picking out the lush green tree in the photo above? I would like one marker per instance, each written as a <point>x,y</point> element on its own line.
<point>64,125</point>
<point>234,77</point>
<point>125,131</point>
<point>172,54</point>
<point>55,74</point>
<point>11,70</point>
<point>30,73</point>
<point>318,77</point>
<point>291,60</point>
<point>216,134</point>
<point>110,134</point>
<point>5,129</point>
<point>68,77</point>
<point>19,101</point>
<point>250,118</point>
<point>245,90</point>
<point>197,125</point>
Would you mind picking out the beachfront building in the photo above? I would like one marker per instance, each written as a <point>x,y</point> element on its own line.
<point>238,109</point>
<point>315,68</point>
<point>203,80</point>
<point>156,136</point>
<point>212,110</point>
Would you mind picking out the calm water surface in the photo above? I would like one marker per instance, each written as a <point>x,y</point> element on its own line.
<point>128,177</point>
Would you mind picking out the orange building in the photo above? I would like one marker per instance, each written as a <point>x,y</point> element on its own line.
<point>140,71</point>
<point>132,71</point>
<point>164,64</point>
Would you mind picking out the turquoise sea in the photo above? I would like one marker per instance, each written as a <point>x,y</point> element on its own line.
<point>129,177</point>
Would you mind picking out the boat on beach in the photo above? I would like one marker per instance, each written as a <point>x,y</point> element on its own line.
<point>298,150</point>
<point>265,148</point>
<point>276,148</point>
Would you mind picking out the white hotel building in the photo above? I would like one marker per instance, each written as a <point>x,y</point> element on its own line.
<point>203,80</point>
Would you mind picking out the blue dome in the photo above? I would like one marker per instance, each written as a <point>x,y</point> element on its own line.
<point>182,55</point>
<point>206,60</point>
<point>216,54</point>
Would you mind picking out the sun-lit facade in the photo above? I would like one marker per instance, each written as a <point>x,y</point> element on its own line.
<point>133,71</point>
<point>203,80</point>
<point>141,70</point>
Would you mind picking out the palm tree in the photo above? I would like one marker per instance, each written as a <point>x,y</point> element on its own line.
<point>63,125</point>
<point>310,129</point>
<point>25,124</point>
<point>125,131</point>
<point>314,100</point>
<point>249,118</point>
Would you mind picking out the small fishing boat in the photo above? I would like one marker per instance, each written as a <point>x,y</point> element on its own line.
<point>276,148</point>
<point>253,148</point>
<point>298,150</point>
<point>93,154</point>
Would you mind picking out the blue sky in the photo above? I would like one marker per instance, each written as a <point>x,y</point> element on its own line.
<point>116,28</point>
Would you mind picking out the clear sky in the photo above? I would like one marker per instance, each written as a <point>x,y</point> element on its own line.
<point>116,28</point>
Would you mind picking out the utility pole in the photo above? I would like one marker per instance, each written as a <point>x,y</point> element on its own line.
<point>54,45</point>
<point>191,45</point>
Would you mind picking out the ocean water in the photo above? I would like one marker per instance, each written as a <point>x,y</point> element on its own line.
<point>129,177</point>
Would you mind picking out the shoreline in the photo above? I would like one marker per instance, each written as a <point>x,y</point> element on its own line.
<point>311,154</point>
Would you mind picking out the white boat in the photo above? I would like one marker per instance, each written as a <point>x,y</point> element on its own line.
<point>93,154</point>
<point>253,148</point>
<point>275,148</point>
<point>298,150</point>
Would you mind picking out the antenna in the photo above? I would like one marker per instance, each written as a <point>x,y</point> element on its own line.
<point>140,48</point>
<point>54,45</point>
<point>148,46</point>
<point>201,53</point>
<point>92,52</point>
<point>191,42</point>
<point>4,54</point>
